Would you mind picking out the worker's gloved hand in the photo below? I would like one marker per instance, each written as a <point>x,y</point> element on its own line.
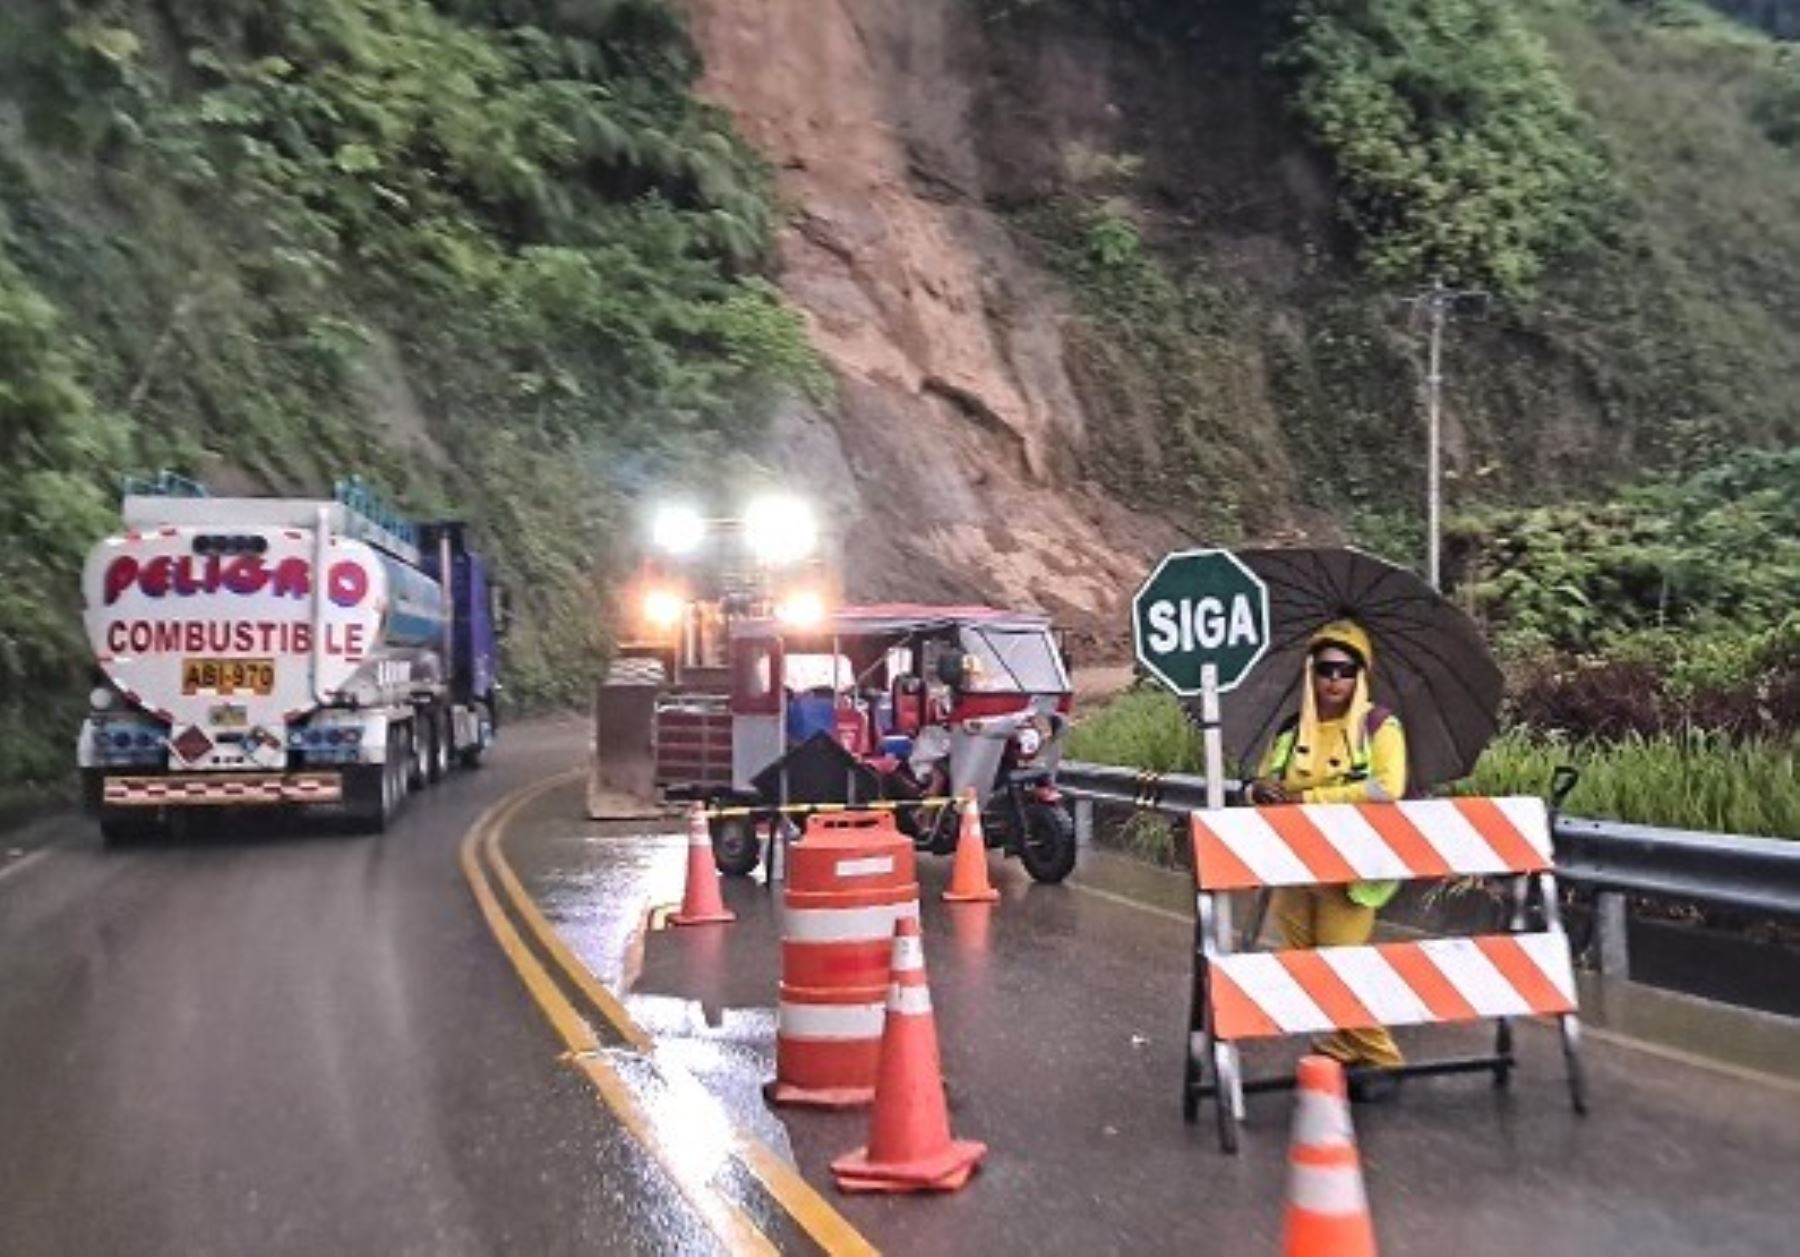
<point>1266,792</point>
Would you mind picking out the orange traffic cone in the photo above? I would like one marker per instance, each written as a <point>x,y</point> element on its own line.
<point>910,1148</point>
<point>969,875</point>
<point>701,903</point>
<point>1327,1211</point>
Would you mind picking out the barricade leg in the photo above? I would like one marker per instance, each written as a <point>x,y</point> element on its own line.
<point>1520,890</point>
<point>1568,1023</point>
<point>1212,937</point>
<point>1199,1037</point>
<point>1253,924</point>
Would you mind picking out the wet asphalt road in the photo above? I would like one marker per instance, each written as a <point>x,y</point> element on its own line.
<point>297,1043</point>
<point>306,1043</point>
<point>1060,1016</point>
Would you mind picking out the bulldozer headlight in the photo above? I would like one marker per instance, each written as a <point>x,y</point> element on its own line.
<point>677,529</point>
<point>801,610</point>
<point>663,608</point>
<point>780,529</point>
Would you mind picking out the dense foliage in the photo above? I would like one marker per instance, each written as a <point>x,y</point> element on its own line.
<point>1161,361</point>
<point>1719,550</point>
<point>1460,149</point>
<point>488,253</point>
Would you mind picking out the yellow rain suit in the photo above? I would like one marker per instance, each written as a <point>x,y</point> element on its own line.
<point>1339,761</point>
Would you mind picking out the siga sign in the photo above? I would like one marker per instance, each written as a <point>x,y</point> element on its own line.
<point>1200,607</point>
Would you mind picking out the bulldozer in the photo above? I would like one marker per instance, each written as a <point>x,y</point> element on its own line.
<point>661,726</point>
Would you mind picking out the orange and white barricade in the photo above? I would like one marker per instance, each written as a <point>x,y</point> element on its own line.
<point>1250,995</point>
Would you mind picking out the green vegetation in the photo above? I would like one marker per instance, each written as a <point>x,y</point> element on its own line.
<point>1461,153</point>
<point>489,253</point>
<point>1143,728</point>
<point>1717,552</point>
<point>1685,782</point>
<point>1161,359</point>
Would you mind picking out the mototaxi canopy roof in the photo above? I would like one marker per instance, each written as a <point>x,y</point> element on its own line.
<point>885,619</point>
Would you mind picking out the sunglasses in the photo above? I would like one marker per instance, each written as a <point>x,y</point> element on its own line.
<point>1336,669</point>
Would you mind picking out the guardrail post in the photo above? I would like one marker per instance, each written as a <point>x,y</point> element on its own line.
<point>1611,943</point>
<point>1084,823</point>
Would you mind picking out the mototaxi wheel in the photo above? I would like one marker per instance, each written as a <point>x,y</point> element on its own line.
<point>736,847</point>
<point>1047,847</point>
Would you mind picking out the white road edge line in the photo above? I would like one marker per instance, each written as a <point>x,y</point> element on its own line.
<point>24,861</point>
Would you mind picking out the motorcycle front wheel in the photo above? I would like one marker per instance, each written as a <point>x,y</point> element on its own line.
<point>1047,847</point>
<point>737,848</point>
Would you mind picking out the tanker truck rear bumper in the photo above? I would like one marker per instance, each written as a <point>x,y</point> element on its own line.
<point>176,790</point>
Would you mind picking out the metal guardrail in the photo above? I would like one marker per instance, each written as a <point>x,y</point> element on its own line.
<point>1749,874</point>
<point>1760,875</point>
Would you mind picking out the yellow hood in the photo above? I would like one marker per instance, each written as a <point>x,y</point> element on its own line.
<point>1349,635</point>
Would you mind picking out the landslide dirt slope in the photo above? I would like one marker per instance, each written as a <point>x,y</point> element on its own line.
<point>958,444</point>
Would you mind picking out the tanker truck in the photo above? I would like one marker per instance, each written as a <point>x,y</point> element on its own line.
<point>281,653</point>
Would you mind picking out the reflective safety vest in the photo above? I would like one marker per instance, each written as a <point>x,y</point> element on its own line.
<point>1359,755</point>
<point>1368,894</point>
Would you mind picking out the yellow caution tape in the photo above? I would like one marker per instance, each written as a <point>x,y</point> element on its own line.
<point>808,809</point>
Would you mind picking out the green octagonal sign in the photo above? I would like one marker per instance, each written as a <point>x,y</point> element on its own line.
<point>1200,607</point>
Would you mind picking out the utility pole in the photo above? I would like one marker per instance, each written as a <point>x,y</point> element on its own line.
<point>1434,489</point>
<point>1438,300</point>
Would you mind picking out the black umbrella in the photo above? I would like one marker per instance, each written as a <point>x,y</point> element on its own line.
<point>1432,667</point>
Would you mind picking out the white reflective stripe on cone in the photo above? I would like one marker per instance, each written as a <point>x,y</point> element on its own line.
<point>1322,1121</point>
<point>1323,1189</point>
<point>829,1021</point>
<point>909,1001</point>
<point>909,954</point>
<point>844,925</point>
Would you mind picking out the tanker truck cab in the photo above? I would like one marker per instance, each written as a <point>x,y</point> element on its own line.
<point>263,653</point>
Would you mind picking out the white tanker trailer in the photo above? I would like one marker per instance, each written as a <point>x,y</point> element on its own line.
<point>262,652</point>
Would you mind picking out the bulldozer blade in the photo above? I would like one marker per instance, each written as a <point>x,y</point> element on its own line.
<point>622,767</point>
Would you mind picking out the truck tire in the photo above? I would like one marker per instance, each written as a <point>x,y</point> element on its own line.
<point>418,754</point>
<point>374,792</point>
<point>471,755</point>
<point>439,725</point>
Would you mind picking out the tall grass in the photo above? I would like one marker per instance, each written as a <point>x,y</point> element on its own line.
<point>1683,781</point>
<point>1140,729</point>
<point>1691,781</point>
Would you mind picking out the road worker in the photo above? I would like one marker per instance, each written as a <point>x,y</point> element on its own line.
<point>1341,748</point>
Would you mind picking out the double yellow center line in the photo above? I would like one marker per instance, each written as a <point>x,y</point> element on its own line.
<point>484,864</point>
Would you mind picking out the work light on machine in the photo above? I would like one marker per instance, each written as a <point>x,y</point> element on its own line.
<point>663,608</point>
<point>803,609</point>
<point>780,529</point>
<point>677,528</point>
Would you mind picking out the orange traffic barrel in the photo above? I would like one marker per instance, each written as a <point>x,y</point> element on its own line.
<point>850,878</point>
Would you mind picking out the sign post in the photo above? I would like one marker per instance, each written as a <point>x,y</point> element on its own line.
<point>1201,623</point>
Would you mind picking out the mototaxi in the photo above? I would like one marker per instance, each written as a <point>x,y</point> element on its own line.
<point>905,706</point>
